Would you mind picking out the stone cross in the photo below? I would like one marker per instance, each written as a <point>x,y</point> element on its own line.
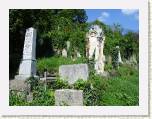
<point>27,66</point>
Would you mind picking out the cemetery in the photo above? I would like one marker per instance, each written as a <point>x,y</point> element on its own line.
<point>57,58</point>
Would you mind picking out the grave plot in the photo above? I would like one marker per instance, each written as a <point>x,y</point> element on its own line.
<point>72,64</point>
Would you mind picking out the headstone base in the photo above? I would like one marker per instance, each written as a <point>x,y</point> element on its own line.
<point>18,85</point>
<point>24,77</point>
<point>68,97</point>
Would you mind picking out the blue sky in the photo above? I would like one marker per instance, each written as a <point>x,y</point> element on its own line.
<point>127,18</point>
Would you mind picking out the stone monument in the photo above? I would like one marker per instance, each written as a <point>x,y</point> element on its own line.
<point>68,45</point>
<point>27,66</point>
<point>64,53</point>
<point>68,97</point>
<point>72,73</point>
<point>95,45</point>
<point>119,60</point>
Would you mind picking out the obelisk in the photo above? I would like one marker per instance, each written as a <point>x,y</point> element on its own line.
<point>27,66</point>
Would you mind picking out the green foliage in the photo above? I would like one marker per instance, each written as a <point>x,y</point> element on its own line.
<point>80,84</point>
<point>42,96</point>
<point>17,98</point>
<point>108,67</point>
<point>54,28</point>
<point>52,64</point>
<point>121,92</point>
<point>32,82</point>
<point>92,90</point>
<point>59,84</point>
<point>118,90</point>
<point>123,89</point>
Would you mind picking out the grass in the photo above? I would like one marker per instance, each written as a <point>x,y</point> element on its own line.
<point>52,64</point>
<point>120,89</point>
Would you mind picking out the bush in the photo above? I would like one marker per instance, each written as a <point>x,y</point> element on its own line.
<point>59,84</point>
<point>92,90</point>
<point>42,97</point>
<point>80,84</point>
<point>17,98</point>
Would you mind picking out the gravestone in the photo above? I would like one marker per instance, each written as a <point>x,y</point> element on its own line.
<point>72,73</point>
<point>68,45</point>
<point>68,97</point>
<point>119,55</point>
<point>27,66</point>
<point>78,54</point>
<point>64,53</point>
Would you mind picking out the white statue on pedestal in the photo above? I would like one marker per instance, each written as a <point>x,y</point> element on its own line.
<point>95,39</point>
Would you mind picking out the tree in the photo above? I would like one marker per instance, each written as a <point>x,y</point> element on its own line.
<point>53,29</point>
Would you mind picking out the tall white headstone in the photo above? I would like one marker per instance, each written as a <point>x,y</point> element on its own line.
<point>27,66</point>
<point>64,53</point>
<point>68,45</point>
<point>119,60</point>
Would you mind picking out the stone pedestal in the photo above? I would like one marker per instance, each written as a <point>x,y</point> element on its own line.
<point>18,85</point>
<point>68,97</point>
<point>27,66</point>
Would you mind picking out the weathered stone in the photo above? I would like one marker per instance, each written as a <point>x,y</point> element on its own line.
<point>68,45</point>
<point>119,60</point>
<point>68,97</point>
<point>78,54</point>
<point>64,53</point>
<point>18,85</point>
<point>29,97</point>
<point>72,73</point>
<point>28,64</point>
<point>95,45</point>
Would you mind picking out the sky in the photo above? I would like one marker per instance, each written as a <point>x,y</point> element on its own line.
<point>127,18</point>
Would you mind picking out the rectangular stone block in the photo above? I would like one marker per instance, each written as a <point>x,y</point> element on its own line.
<point>18,85</point>
<point>72,73</point>
<point>68,97</point>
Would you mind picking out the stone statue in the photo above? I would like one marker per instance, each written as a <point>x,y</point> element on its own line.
<point>95,44</point>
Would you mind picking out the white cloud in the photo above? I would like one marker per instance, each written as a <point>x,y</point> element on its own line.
<point>133,12</point>
<point>129,11</point>
<point>103,16</point>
